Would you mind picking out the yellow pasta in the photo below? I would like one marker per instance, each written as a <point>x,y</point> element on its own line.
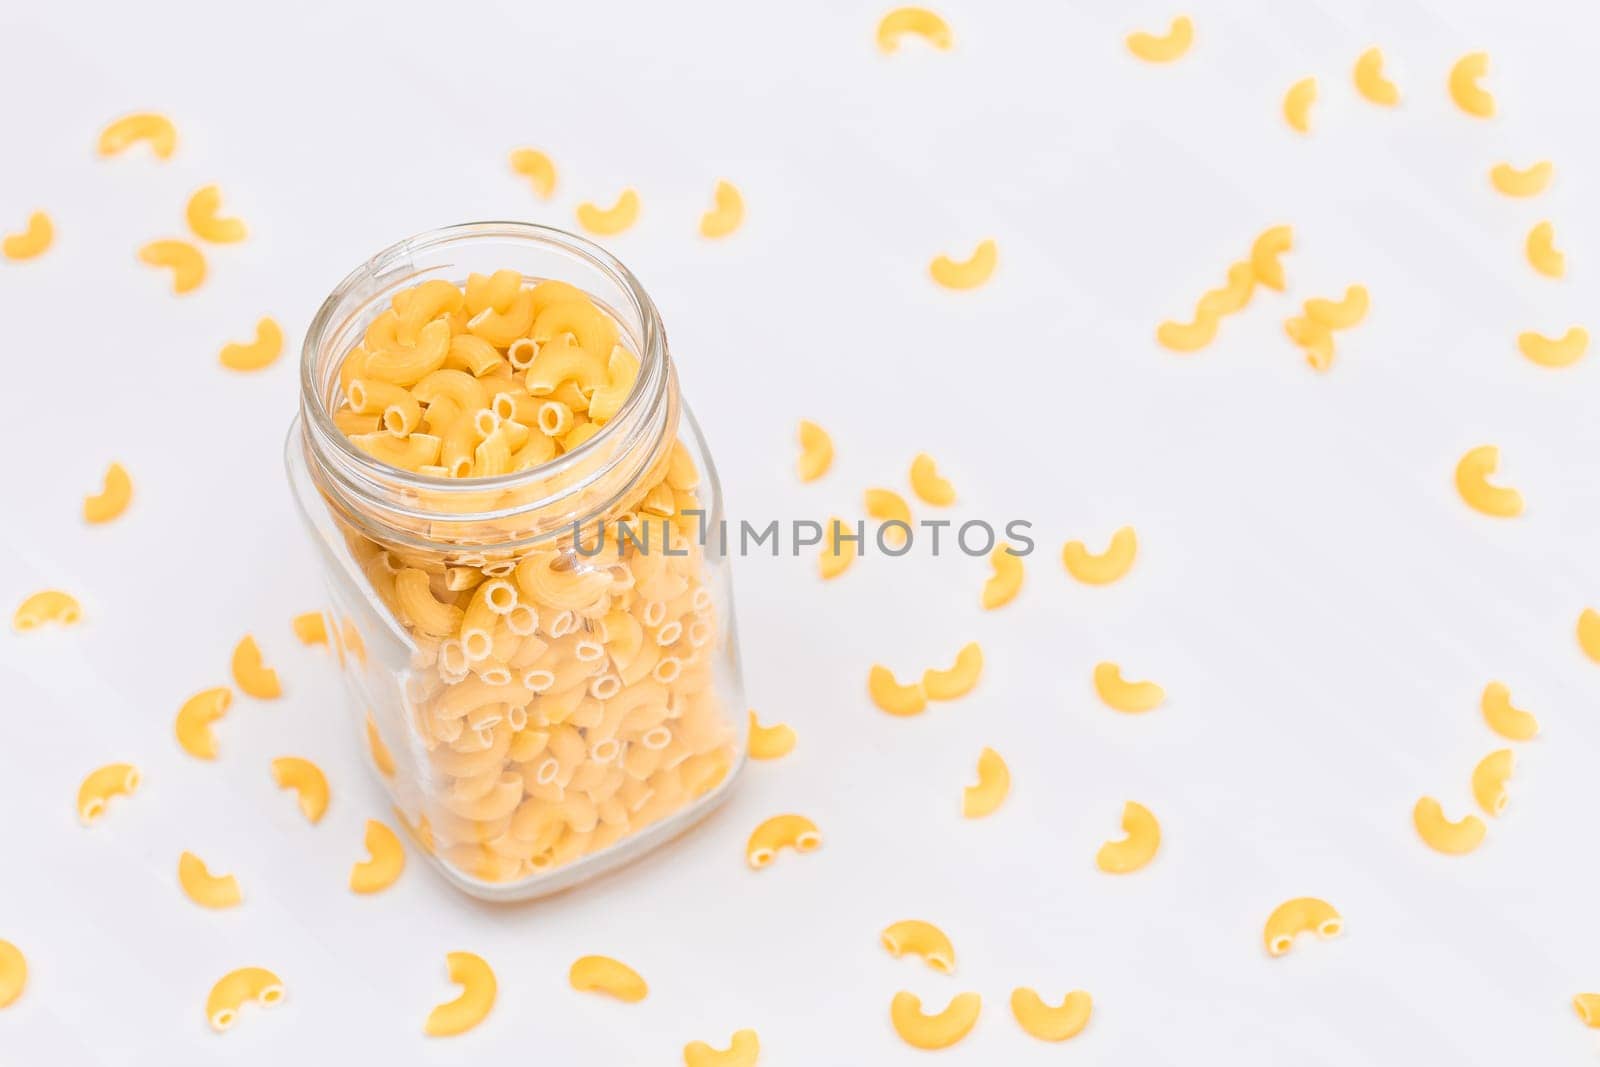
<point>1108,566</point>
<point>1163,48</point>
<point>1509,722</point>
<point>100,785</point>
<point>1230,298</point>
<point>1297,104</point>
<point>968,273</point>
<point>1124,696</point>
<point>193,725</point>
<point>816,451</point>
<point>1298,916</point>
<point>310,628</point>
<point>742,1051</point>
<point>1464,88</point>
<point>888,506</point>
<point>1589,633</point>
<point>250,674</point>
<point>1188,336</point>
<point>1472,482</point>
<point>838,550</point>
<point>1587,1006</point>
<point>113,498</point>
<point>1264,253</point>
<point>537,168</point>
<point>1339,314</point>
<point>770,742</point>
<point>994,782</point>
<point>916,21</point>
<point>386,858</point>
<point>1006,581</point>
<point>381,757</point>
<point>206,224</point>
<point>1562,351</point>
<point>1489,781</point>
<point>417,604</point>
<point>34,240</point>
<point>262,352</point>
<point>1442,835</point>
<point>781,831</point>
<point>727,213</point>
<point>188,266</point>
<point>1060,1023</point>
<point>1370,81</point>
<point>247,985</point>
<point>602,974</point>
<point>157,130</point>
<point>1314,338</point>
<point>52,605</point>
<point>928,485</point>
<point>959,679</point>
<point>889,695</point>
<point>203,887</point>
<point>478,989</point>
<point>1137,848</point>
<point>923,939</point>
<point>612,220</point>
<point>1530,181</point>
<point>920,1030</point>
<point>1542,253</point>
<point>308,782</point>
<point>13,973</point>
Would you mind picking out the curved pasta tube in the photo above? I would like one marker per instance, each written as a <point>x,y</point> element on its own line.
<point>34,240</point>
<point>611,220</point>
<point>206,224</point>
<point>1119,695</point>
<point>1472,482</point>
<point>1165,47</point>
<point>888,506</point>
<point>792,831</point>
<point>1489,780</point>
<point>478,989</point>
<point>185,261</point>
<point>1231,297</point>
<point>1543,255</point>
<point>1298,916</point>
<point>1452,838</point>
<point>1314,338</point>
<point>262,352</point>
<point>1530,181</point>
<point>923,939</point>
<point>203,887</point>
<point>147,126</point>
<point>417,603</point>
<point>920,1030</point>
<point>1340,314</point>
<point>1371,83</point>
<point>1188,336</point>
<point>770,742</point>
<point>52,605</point>
<point>1587,1005</point>
<point>916,21</point>
<point>1108,566</point>
<point>727,213</point>
<point>743,1051</point>
<point>602,974</point>
<point>1562,351</point>
<point>1006,581</point>
<point>382,758</point>
<point>1137,848</point>
<point>994,782</point>
<point>1264,253</point>
<point>959,679</point>
<point>1509,722</point>
<point>1589,633</point>
<point>310,628</point>
<point>386,858</point>
<point>247,985</point>
<point>928,485</point>
<point>837,553</point>
<point>100,785</point>
<point>889,695</point>
<point>537,168</point>
<point>193,725</point>
<point>250,674</point>
<point>1297,104</point>
<point>410,453</point>
<point>816,451</point>
<point>308,782</point>
<point>1464,88</point>
<point>968,273</point>
<point>1038,1019</point>
<point>13,972</point>
<point>113,498</point>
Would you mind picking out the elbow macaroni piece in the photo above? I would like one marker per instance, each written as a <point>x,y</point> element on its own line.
<point>382,758</point>
<point>478,989</point>
<point>1297,104</point>
<point>247,985</point>
<point>1543,255</point>
<point>13,973</point>
<point>1060,1023</point>
<point>203,887</point>
<point>1137,848</point>
<point>968,273</point>
<point>602,974</point>
<point>33,241</point>
<point>837,552</point>
<point>113,498</point>
<point>158,130</point>
<point>537,168</point>
<point>816,451</point>
<point>1587,1005</point>
<point>206,224</point>
<point>923,939</point>
<point>262,352</point>
<point>994,782</point>
<point>1298,916</point>
<point>52,605</point>
<point>613,220</point>
<point>1188,336</point>
<point>1264,253</point>
<point>928,485</point>
<point>185,261</point>
<point>310,628</point>
<point>942,1030</point>
<point>743,1051</point>
<point>1472,482</point>
<point>887,692</point>
<point>1006,581</point>
<point>308,782</point>
<point>1509,722</point>
<point>193,725</point>
<point>1129,697</point>
<point>780,831</point>
<point>1562,351</point>
<point>1339,314</point>
<point>916,21</point>
<point>1370,81</point>
<point>770,742</point>
<point>1489,781</point>
<point>101,784</point>
<point>1531,181</point>
<point>727,213</point>
<point>386,858</point>
<point>1464,88</point>
<point>250,674</point>
<point>1108,566</point>
<point>889,506</point>
<point>959,679</point>
<point>1163,48</point>
<point>1442,835</point>
<point>1589,633</point>
<point>1314,338</point>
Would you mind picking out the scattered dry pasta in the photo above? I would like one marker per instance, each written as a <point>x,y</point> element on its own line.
<point>382,758</point>
<point>1228,299</point>
<point>1137,848</point>
<point>1530,181</point>
<point>770,742</point>
<point>308,782</point>
<point>838,550</point>
<point>52,605</point>
<point>610,221</point>
<point>1371,83</point>
<point>1166,47</point>
<point>1542,253</point>
<point>537,168</point>
<point>247,985</point>
<point>889,695</point>
<point>1298,916</point>
<point>994,782</point>
<point>928,485</point>
<point>1509,722</point>
<point>1006,581</point>
<point>100,785</point>
<point>206,224</point>
<point>1489,781</point>
<point>188,266</point>
<point>920,1030</point>
<point>816,451</point>
<point>726,213</point>
<point>781,831</point>
<point>157,130</point>
<point>957,680</point>
<point>1472,482</point>
<point>254,355</point>
<point>602,974</point>
<point>1587,1005</point>
<point>1313,331</point>
<point>1464,89</point>
<point>917,22</point>
<point>1442,835</point>
<point>920,938</point>
<point>1561,351</point>
<point>34,240</point>
<point>742,1051</point>
<point>891,509</point>
<point>112,500</point>
<point>204,888</point>
<point>1297,104</point>
<point>252,676</point>
<point>310,628</point>
<point>13,973</point>
<point>966,273</point>
<point>472,1006</point>
<point>1108,566</point>
<point>1060,1023</point>
<point>1125,696</point>
<point>195,716</point>
<point>1264,252</point>
<point>386,858</point>
<point>1589,633</point>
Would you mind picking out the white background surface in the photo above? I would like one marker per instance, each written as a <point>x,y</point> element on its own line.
<point>1321,608</point>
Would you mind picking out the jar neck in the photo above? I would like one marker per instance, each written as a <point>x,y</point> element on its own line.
<point>464,517</point>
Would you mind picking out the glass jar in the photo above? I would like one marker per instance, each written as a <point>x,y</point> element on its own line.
<point>542,662</point>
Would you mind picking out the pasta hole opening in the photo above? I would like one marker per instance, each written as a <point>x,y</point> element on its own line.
<point>1280,945</point>
<point>807,841</point>
<point>224,1018</point>
<point>271,995</point>
<point>1330,928</point>
<point>476,644</point>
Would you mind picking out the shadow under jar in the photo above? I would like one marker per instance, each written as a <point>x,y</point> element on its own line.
<point>510,500</point>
